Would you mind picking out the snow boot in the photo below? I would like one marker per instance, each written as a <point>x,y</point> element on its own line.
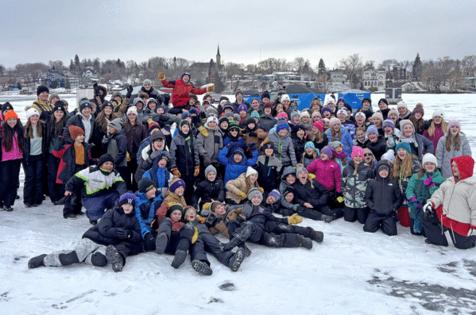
<point>202,267</point>
<point>8,208</point>
<point>115,258</point>
<point>93,222</point>
<point>161,243</point>
<point>68,259</point>
<point>179,258</point>
<point>246,250</point>
<point>327,218</point>
<point>305,242</point>
<point>36,261</point>
<point>317,236</point>
<point>98,259</point>
<point>237,259</point>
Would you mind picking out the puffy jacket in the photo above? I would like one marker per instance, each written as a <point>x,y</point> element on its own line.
<point>134,134</point>
<point>419,189</point>
<point>184,153</point>
<point>208,146</point>
<point>284,148</point>
<point>232,169</point>
<point>455,202</point>
<point>311,192</point>
<point>383,194</point>
<point>378,148</point>
<point>117,148</point>
<point>345,139</point>
<point>355,184</point>
<point>268,169</point>
<point>238,186</point>
<point>67,165</point>
<point>94,182</point>
<point>181,91</point>
<point>444,157</point>
<point>207,190</point>
<point>145,210</point>
<point>328,174</point>
<point>160,177</point>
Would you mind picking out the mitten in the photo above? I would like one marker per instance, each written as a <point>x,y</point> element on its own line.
<point>242,195</point>
<point>203,131</point>
<point>161,76</point>
<point>294,219</point>
<point>196,171</point>
<point>429,181</point>
<point>195,235</point>
<point>311,176</point>
<point>211,88</point>
<point>175,172</point>
<point>428,208</point>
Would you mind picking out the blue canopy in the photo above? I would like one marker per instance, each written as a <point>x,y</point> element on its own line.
<point>354,97</point>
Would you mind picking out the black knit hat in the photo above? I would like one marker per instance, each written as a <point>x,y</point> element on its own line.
<point>383,100</point>
<point>105,158</point>
<point>265,94</point>
<point>145,184</point>
<point>40,89</point>
<point>60,105</point>
<point>174,207</point>
<point>84,104</point>
<point>6,106</point>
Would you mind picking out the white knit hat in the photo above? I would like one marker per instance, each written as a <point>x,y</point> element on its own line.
<point>250,171</point>
<point>132,110</point>
<point>429,158</point>
<point>211,119</point>
<point>334,121</point>
<point>32,112</point>
<point>389,156</point>
<point>342,112</point>
<point>438,113</point>
<point>285,97</point>
<point>402,104</point>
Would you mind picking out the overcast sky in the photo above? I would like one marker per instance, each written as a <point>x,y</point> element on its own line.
<point>247,30</point>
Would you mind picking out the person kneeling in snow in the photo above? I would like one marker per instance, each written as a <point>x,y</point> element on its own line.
<point>100,187</point>
<point>114,238</point>
<point>453,207</point>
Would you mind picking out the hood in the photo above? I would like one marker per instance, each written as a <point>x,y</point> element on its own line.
<point>465,166</point>
<point>383,162</point>
<point>288,170</point>
<point>240,151</point>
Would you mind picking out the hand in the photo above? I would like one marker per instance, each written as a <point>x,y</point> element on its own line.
<point>311,176</point>
<point>428,208</point>
<point>307,205</point>
<point>123,234</point>
<point>161,76</point>
<point>175,172</point>
<point>203,131</point>
<point>242,195</point>
<point>211,88</point>
<point>148,237</point>
<point>196,171</point>
<point>294,219</point>
<point>67,193</point>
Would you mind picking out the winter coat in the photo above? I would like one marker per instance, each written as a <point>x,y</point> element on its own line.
<point>267,121</point>
<point>232,169</point>
<point>94,182</point>
<point>207,191</point>
<point>383,195</point>
<point>184,154</point>
<point>238,186</point>
<point>298,145</point>
<point>160,176</point>
<point>181,91</point>
<point>327,173</point>
<point>378,148</point>
<point>284,148</point>
<point>54,136</point>
<point>45,109</point>
<point>455,202</point>
<point>77,120</point>
<point>350,127</point>
<point>258,215</point>
<point>438,133</point>
<point>311,192</point>
<point>355,184</point>
<point>209,145</point>
<point>420,189</point>
<point>67,165</point>
<point>145,210</point>
<point>117,148</point>
<point>106,231</point>
<point>420,146</point>
<point>268,169</point>
<point>283,184</point>
<point>169,200</point>
<point>444,157</point>
<point>345,139</point>
<point>134,134</point>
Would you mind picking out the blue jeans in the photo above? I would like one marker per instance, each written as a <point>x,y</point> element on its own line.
<point>97,205</point>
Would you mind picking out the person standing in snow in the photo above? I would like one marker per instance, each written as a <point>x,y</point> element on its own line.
<point>41,104</point>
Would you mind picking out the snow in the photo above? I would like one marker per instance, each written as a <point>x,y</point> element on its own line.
<point>351,272</point>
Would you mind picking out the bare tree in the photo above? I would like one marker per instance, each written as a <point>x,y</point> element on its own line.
<point>352,67</point>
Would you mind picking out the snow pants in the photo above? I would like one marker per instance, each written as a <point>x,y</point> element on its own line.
<point>56,191</point>
<point>33,187</point>
<point>97,205</point>
<point>255,233</point>
<point>280,228</point>
<point>356,214</point>
<point>177,240</point>
<point>206,242</point>
<point>436,234</point>
<point>9,181</point>
<point>84,249</point>
<point>376,221</point>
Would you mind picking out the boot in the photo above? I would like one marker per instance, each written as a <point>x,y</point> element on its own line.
<point>305,242</point>
<point>115,258</point>
<point>317,236</point>
<point>36,261</point>
<point>237,259</point>
<point>202,267</point>
<point>327,218</point>
<point>98,259</point>
<point>161,243</point>
<point>179,258</point>
<point>246,250</point>
<point>235,241</point>
<point>68,259</point>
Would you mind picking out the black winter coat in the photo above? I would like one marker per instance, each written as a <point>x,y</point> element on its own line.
<point>77,120</point>
<point>383,195</point>
<point>134,134</point>
<point>311,192</point>
<point>378,148</point>
<point>207,190</point>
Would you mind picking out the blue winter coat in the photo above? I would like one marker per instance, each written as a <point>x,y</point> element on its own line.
<point>160,177</point>
<point>232,169</point>
<point>145,211</point>
<point>346,140</point>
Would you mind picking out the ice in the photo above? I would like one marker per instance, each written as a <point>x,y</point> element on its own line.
<point>351,272</point>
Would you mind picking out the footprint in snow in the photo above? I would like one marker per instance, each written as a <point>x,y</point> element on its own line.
<point>227,286</point>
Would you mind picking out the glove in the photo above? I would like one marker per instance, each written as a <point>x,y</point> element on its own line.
<point>340,198</point>
<point>154,155</point>
<point>196,171</point>
<point>294,219</point>
<point>175,172</point>
<point>428,208</point>
<point>148,237</point>
<point>129,91</point>
<point>161,76</point>
<point>195,235</point>
<point>211,88</point>
<point>242,195</point>
<point>123,234</point>
<point>311,176</point>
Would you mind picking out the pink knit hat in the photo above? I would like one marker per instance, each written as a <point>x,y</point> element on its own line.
<point>282,115</point>
<point>319,125</point>
<point>357,151</point>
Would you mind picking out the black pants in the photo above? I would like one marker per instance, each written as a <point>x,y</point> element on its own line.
<point>302,211</point>
<point>435,234</point>
<point>356,214</point>
<point>180,240</point>
<point>256,233</point>
<point>129,175</point>
<point>375,221</point>
<point>208,243</point>
<point>9,181</point>
<point>280,228</point>
<point>33,188</point>
<point>56,191</point>
<point>128,249</point>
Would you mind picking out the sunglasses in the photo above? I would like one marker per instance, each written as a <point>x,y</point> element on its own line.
<point>368,154</point>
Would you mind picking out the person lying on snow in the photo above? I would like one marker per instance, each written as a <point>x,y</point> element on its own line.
<point>254,218</point>
<point>99,186</point>
<point>114,238</point>
<point>452,208</point>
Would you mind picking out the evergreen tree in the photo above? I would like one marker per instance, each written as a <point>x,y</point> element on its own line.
<point>321,67</point>
<point>417,68</point>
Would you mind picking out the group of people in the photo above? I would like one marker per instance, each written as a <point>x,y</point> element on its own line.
<point>248,171</point>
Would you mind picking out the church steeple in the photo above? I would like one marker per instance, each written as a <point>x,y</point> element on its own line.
<point>218,59</point>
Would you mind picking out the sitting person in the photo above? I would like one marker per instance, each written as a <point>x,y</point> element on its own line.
<point>237,189</point>
<point>159,174</point>
<point>114,238</point>
<point>234,160</point>
<point>211,188</point>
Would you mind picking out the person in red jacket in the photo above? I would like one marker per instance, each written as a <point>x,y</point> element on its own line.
<point>181,91</point>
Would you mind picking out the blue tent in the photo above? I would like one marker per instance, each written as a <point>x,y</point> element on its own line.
<point>354,97</point>
<point>303,95</point>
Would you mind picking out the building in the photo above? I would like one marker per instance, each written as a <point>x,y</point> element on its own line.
<point>374,79</point>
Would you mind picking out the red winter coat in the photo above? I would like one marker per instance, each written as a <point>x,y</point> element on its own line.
<point>327,174</point>
<point>181,91</point>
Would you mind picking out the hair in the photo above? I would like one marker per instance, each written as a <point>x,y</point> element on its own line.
<point>335,135</point>
<point>316,136</point>
<point>102,120</point>
<point>29,129</point>
<point>403,168</point>
<point>431,129</point>
<point>9,133</point>
<point>56,128</point>
<point>452,142</point>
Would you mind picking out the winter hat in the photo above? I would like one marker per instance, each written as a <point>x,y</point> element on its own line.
<point>265,94</point>
<point>378,116</point>
<point>285,97</point>
<point>137,100</point>
<point>10,114</point>
<point>262,127</point>
<point>388,123</point>
<point>281,126</point>
<point>174,207</point>
<point>254,192</point>
<point>342,112</point>
<point>327,150</point>
<point>107,104</point>
<point>145,184</point>
<point>326,109</point>
<point>147,81</point>
<point>254,114</point>
<point>127,197</point>
<point>335,144</point>
<point>300,169</point>
<point>419,109</point>
<point>334,121</point>
<point>116,124</point>
<point>210,169</point>
<point>268,105</point>
<point>32,112</point>
<point>186,74</point>
<point>228,106</point>
<point>184,122</point>
<point>152,100</point>
<point>288,190</point>
<point>185,115</point>
<point>282,116</point>
<point>382,166</point>
<point>75,131</point>
<point>211,119</point>
<point>383,100</point>
<point>132,110</point>
<point>319,125</point>
<point>389,156</point>
<point>268,145</point>
<point>40,89</point>
<point>405,122</point>
<point>437,113</point>
<point>392,111</point>
<point>156,136</point>
<point>372,130</point>
<point>429,158</point>
<point>309,145</point>
<point>105,158</point>
<point>357,151</point>
<point>60,105</point>
<point>233,125</point>
<point>83,104</point>
<point>465,165</point>
<point>176,183</point>
<point>405,146</point>
<point>250,171</point>
<point>305,113</point>
<point>193,111</point>
<point>360,114</point>
<point>242,108</point>
<point>402,104</point>
<point>453,123</point>
<point>6,106</point>
<point>294,114</point>
<point>164,155</point>
<point>275,194</point>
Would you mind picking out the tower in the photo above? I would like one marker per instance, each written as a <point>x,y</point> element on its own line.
<point>218,59</point>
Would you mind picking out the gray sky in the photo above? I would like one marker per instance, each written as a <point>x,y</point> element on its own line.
<point>247,30</point>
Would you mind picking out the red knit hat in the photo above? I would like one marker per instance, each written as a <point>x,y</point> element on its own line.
<point>319,125</point>
<point>75,131</point>
<point>10,114</point>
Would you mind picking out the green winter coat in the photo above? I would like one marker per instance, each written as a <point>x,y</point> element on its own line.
<point>419,190</point>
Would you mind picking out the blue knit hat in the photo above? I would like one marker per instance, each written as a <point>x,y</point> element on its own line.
<point>275,194</point>
<point>372,130</point>
<point>281,126</point>
<point>405,146</point>
<point>309,145</point>
<point>327,150</point>
<point>127,197</point>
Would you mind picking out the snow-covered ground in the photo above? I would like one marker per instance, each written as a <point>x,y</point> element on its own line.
<point>351,272</point>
